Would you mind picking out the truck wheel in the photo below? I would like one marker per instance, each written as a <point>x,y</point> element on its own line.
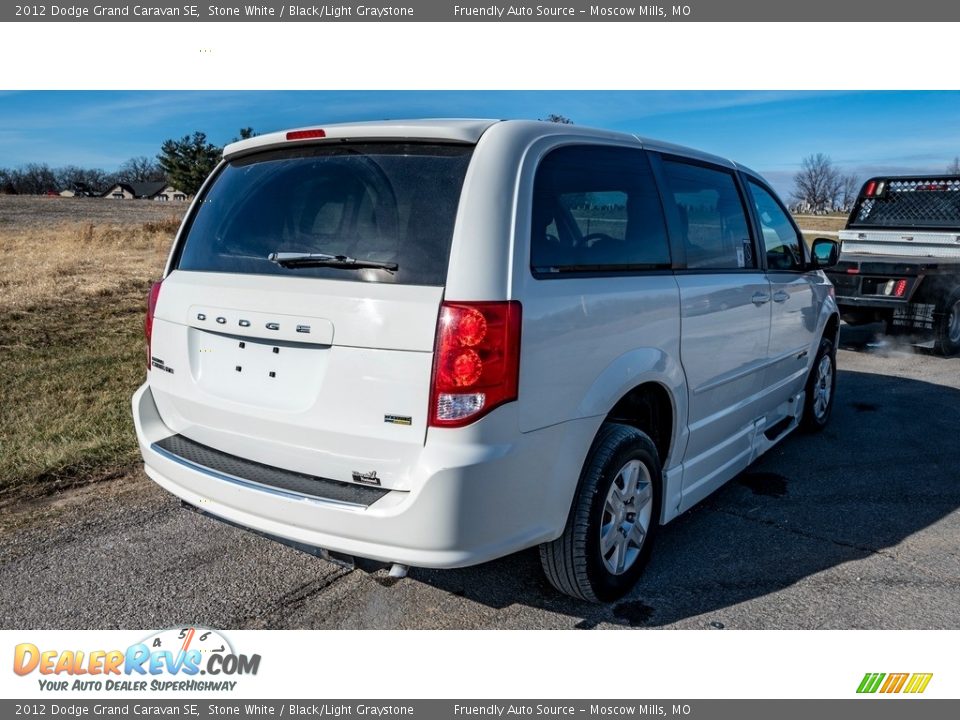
<point>948,325</point>
<point>821,388</point>
<point>614,518</point>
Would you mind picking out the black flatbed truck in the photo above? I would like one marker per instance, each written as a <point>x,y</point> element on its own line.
<point>899,258</point>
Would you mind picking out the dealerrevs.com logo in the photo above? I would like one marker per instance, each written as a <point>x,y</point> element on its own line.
<point>178,659</point>
<point>889,683</point>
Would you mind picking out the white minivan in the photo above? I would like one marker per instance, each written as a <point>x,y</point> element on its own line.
<point>433,343</point>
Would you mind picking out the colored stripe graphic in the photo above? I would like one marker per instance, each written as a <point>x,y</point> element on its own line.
<point>870,682</point>
<point>918,682</point>
<point>894,683</point>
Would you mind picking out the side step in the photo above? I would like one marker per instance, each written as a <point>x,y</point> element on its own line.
<point>778,428</point>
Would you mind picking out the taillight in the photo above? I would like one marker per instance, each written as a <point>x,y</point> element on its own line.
<point>476,364</point>
<point>869,189</point>
<point>148,321</point>
<point>893,288</point>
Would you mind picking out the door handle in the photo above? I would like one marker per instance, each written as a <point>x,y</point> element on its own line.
<point>760,298</point>
<point>781,296</point>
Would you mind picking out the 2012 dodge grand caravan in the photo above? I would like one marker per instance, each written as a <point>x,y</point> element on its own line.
<point>434,343</point>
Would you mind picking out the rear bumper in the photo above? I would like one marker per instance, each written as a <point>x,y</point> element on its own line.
<point>478,493</point>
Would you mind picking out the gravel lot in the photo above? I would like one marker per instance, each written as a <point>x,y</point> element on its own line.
<point>858,527</point>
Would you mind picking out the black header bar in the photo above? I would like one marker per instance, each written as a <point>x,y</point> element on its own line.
<point>852,11</point>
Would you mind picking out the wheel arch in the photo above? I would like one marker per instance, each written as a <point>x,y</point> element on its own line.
<point>831,330</point>
<point>649,408</point>
<point>641,387</point>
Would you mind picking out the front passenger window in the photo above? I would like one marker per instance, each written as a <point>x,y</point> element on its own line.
<point>779,235</point>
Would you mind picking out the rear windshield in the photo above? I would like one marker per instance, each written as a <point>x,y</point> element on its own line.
<point>911,203</point>
<point>379,202</point>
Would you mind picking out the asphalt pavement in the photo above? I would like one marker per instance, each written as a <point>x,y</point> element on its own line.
<point>857,527</point>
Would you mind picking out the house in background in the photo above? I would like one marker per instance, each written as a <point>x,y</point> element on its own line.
<point>160,191</point>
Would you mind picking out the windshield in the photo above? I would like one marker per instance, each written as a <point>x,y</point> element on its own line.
<point>377,203</point>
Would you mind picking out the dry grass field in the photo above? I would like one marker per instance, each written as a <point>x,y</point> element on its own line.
<point>73,286</point>
<point>815,226</point>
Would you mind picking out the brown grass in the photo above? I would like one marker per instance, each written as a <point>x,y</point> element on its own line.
<point>816,226</point>
<point>70,263</point>
<point>830,223</point>
<point>72,297</point>
<point>26,212</point>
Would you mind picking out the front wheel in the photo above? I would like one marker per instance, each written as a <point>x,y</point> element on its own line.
<point>614,518</point>
<point>821,388</point>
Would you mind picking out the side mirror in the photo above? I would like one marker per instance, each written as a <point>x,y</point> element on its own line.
<point>826,252</point>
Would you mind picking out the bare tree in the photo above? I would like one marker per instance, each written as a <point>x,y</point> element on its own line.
<point>7,186</point>
<point>954,167</point>
<point>819,184</point>
<point>34,179</point>
<point>82,181</point>
<point>849,189</point>
<point>140,169</point>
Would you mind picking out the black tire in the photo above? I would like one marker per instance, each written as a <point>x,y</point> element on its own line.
<point>816,414</point>
<point>947,328</point>
<point>574,563</point>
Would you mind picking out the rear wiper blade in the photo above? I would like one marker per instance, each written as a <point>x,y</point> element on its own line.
<point>298,260</point>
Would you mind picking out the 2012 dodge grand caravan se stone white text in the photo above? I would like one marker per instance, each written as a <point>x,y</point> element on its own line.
<point>434,343</point>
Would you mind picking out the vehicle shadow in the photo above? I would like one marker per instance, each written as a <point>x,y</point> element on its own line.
<point>878,474</point>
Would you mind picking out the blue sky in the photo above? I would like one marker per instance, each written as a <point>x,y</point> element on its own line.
<point>770,131</point>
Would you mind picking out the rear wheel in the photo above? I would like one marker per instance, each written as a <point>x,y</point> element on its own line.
<point>948,325</point>
<point>821,387</point>
<point>614,518</point>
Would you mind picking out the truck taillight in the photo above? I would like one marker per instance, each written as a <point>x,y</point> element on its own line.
<point>894,288</point>
<point>148,321</point>
<point>476,363</point>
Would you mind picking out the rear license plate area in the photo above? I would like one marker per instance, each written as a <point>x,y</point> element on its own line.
<point>274,374</point>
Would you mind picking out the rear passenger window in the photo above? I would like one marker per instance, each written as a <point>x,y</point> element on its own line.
<point>713,224</point>
<point>596,209</point>
<point>779,236</point>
